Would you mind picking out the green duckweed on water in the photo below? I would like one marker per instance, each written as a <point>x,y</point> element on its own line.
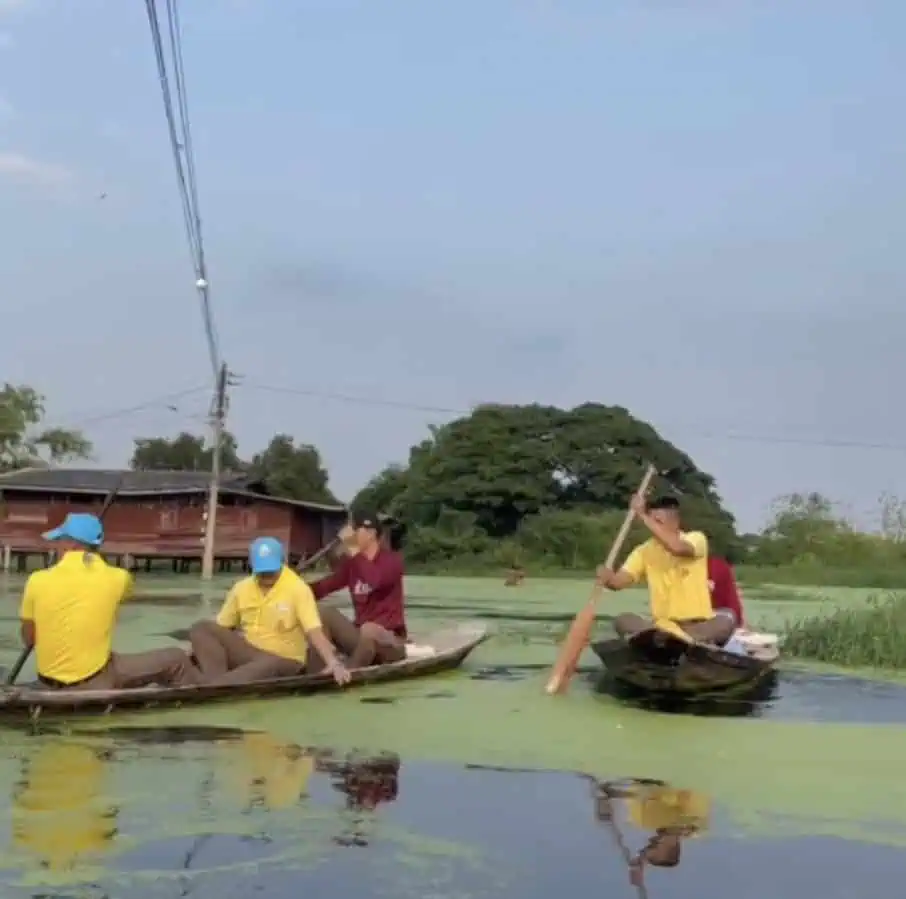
<point>770,776</point>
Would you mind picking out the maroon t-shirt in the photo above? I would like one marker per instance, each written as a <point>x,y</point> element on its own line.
<point>376,587</point>
<point>724,593</point>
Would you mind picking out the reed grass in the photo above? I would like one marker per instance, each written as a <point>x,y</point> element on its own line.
<point>871,636</point>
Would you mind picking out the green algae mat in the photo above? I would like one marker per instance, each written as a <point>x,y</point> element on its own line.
<point>792,774</point>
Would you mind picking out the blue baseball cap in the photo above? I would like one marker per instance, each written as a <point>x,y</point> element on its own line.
<point>80,527</point>
<point>266,555</point>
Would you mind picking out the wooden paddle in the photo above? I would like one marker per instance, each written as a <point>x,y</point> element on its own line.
<point>610,819</point>
<point>310,562</point>
<point>580,630</point>
<point>16,670</point>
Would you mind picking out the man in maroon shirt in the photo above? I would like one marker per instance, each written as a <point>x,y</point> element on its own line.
<point>373,575</point>
<point>725,598</point>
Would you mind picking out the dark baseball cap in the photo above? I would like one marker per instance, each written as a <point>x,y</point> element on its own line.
<point>666,501</point>
<point>365,518</point>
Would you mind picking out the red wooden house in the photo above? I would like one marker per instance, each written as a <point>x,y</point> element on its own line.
<point>158,514</point>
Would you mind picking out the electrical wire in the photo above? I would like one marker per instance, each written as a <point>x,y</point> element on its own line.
<point>735,436</point>
<point>180,136</point>
<point>85,420</point>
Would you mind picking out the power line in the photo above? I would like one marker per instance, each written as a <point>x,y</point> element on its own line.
<point>164,400</point>
<point>180,134</point>
<point>736,436</point>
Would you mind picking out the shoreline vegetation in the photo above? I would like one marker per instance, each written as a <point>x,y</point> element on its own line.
<point>809,575</point>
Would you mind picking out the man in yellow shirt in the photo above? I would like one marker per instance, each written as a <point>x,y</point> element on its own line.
<point>674,563</point>
<point>68,614</point>
<point>264,627</point>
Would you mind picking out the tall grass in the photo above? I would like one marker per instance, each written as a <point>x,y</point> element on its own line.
<point>873,636</point>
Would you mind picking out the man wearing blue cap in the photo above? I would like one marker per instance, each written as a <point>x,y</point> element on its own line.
<point>68,614</point>
<point>264,627</point>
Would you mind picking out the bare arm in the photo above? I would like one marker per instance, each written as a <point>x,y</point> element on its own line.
<point>27,632</point>
<point>619,580</point>
<point>27,612</point>
<point>318,640</point>
<point>632,572</point>
<point>671,541</point>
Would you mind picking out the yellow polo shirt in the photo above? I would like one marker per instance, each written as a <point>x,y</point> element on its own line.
<point>275,620</point>
<point>664,808</point>
<point>677,586</point>
<point>59,812</point>
<point>74,606</point>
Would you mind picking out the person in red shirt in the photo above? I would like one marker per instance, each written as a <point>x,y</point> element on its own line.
<point>725,598</point>
<point>373,574</point>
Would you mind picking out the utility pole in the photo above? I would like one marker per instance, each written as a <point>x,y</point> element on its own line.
<point>218,415</point>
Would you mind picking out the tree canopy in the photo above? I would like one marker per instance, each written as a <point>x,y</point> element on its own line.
<point>287,470</point>
<point>503,469</point>
<point>24,442</point>
<point>293,471</point>
<point>185,452</point>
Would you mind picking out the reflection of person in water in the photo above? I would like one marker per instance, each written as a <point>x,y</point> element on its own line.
<point>367,784</point>
<point>273,773</point>
<point>58,809</point>
<point>671,815</point>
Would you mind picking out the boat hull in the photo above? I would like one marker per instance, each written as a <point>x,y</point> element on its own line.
<point>451,648</point>
<point>680,669</point>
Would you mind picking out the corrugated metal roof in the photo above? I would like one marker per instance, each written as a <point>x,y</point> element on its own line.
<point>139,483</point>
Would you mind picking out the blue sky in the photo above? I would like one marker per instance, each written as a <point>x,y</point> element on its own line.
<point>692,209</point>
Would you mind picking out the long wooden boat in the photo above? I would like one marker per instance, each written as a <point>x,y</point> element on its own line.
<point>668,666</point>
<point>443,650</point>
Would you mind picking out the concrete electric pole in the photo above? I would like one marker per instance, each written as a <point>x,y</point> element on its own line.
<point>218,417</point>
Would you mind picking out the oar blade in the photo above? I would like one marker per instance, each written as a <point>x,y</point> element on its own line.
<point>573,646</point>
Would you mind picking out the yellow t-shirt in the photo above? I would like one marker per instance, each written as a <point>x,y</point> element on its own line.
<point>73,605</point>
<point>59,813</point>
<point>677,586</point>
<point>274,620</point>
<point>663,808</point>
<point>270,772</point>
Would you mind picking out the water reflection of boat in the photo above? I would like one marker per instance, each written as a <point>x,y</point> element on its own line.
<point>668,815</point>
<point>367,783</point>
<point>665,665</point>
<point>60,816</point>
<point>434,653</point>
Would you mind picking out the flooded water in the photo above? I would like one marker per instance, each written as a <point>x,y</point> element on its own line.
<point>419,788</point>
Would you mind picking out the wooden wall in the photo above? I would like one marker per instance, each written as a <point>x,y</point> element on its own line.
<point>167,527</point>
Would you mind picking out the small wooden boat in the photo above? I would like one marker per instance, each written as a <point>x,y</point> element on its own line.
<point>436,652</point>
<point>659,663</point>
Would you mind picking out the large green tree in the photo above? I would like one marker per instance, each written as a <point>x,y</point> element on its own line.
<point>296,472</point>
<point>185,452</point>
<point>502,464</point>
<point>383,490</point>
<point>24,441</point>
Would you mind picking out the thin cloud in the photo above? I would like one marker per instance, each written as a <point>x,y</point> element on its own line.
<point>25,170</point>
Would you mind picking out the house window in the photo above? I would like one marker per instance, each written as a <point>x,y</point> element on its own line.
<point>169,519</point>
<point>249,519</point>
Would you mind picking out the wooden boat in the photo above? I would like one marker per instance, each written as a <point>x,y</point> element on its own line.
<point>658,663</point>
<point>442,650</point>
